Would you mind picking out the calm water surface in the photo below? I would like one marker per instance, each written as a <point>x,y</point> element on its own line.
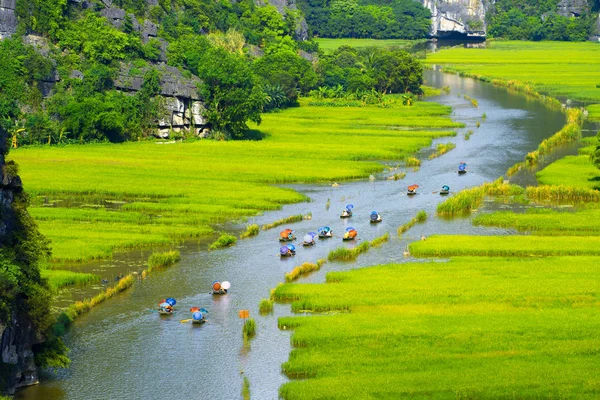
<point>122,350</point>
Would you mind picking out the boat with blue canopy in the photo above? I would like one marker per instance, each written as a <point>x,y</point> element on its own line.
<point>347,212</point>
<point>375,218</point>
<point>325,232</point>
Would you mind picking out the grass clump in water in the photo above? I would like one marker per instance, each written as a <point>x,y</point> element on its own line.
<point>379,240</point>
<point>344,254</point>
<point>225,240</point>
<point>468,200</point>
<point>58,278</point>
<point>84,306</point>
<point>246,389</point>
<point>163,259</point>
<point>249,330</point>
<point>441,149</point>
<point>265,306</point>
<point>287,220</point>
<point>251,230</point>
<point>420,217</point>
<point>303,269</point>
<point>412,162</point>
<point>468,134</point>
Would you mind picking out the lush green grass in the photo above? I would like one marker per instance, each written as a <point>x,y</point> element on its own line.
<point>60,278</point>
<point>468,200</point>
<point>283,221</point>
<point>556,68</point>
<point>163,259</point>
<point>265,306</point>
<point>329,45</point>
<point>545,221</point>
<point>303,269</point>
<point>249,329</point>
<point>594,112</point>
<point>180,190</point>
<point>574,171</point>
<point>81,307</point>
<point>507,246</point>
<point>224,240</point>
<point>420,217</point>
<point>251,230</point>
<point>468,328</point>
<point>345,254</point>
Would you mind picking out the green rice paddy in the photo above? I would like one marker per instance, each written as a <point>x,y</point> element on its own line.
<point>468,328</point>
<point>330,45</point>
<point>556,68</point>
<point>574,171</point>
<point>163,193</point>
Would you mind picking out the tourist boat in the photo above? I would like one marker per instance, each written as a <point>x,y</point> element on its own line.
<point>165,307</point>
<point>287,235</point>
<point>350,234</point>
<point>325,232</point>
<point>220,288</point>
<point>287,251</point>
<point>198,315</point>
<point>309,240</point>
<point>445,190</point>
<point>462,168</point>
<point>412,190</point>
<point>347,213</point>
<point>375,217</point>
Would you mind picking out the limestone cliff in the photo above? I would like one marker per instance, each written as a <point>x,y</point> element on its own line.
<point>17,336</point>
<point>457,18</point>
<point>8,18</point>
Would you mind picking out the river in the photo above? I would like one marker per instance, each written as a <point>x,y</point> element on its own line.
<point>123,350</point>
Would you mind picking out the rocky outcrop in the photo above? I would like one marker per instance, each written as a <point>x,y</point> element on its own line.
<point>8,18</point>
<point>183,107</point>
<point>17,336</point>
<point>17,365</point>
<point>457,18</point>
<point>572,8</point>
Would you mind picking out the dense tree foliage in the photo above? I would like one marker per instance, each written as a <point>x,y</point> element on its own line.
<point>537,20</point>
<point>379,19</point>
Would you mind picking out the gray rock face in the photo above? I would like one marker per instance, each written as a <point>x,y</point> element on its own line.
<point>8,18</point>
<point>183,108</point>
<point>572,8</point>
<point>15,352</point>
<point>457,18</point>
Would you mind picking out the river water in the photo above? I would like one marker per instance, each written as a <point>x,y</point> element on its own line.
<point>123,350</point>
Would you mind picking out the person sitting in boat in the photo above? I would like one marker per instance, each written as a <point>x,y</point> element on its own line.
<point>412,189</point>
<point>350,234</point>
<point>325,232</point>
<point>375,217</point>
<point>462,168</point>
<point>445,189</point>
<point>347,212</point>
<point>309,239</point>
<point>287,235</point>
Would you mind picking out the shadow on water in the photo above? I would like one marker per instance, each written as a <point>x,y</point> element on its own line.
<point>123,350</point>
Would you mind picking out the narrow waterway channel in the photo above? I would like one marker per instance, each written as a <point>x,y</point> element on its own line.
<point>122,350</point>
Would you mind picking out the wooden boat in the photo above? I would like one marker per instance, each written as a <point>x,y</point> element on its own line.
<point>412,190</point>
<point>289,254</point>
<point>165,312</point>
<point>350,234</point>
<point>375,218</point>
<point>288,239</point>
<point>324,235</point>
<point>308,244</point>
<point>346,214</point>
<point>198,315</point>
<point>198,321</point>
<point>220,288</point>
<point>220,291</point>
<point>462,168</point>
<point>444,192</point>
<point>462,171</point>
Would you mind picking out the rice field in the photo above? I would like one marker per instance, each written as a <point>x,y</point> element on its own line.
<point>58,278</point>
<point>468,328</point>
<point>330,45</point>
<point>571,171</point>
<point>559,69</point>
<point>505,246</point>
<point>94,199</point>
<point>545,221</point>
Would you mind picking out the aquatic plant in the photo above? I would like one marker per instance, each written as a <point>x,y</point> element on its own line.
<point>58,278</point>
<point>412,162</point>
<point>249,329</point>
<point>442,148</point>
<point>251,230</point>
<point>468,134</point>
<point>379,240</point>
<point>225,240</point>
<point>163,259</point>
<point>265,306</point>
<point>420,217</point>
<point>303,269</point>
<point>562,193</point>
<point>469,199</point>
<point>84,306</point>
<point>283,221</point>
<point>246,389</point>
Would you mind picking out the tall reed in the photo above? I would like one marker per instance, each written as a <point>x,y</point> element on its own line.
<point>303,269</point>
<point>251,230</point>
<point>562,193</point>
<point>287,220</point>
